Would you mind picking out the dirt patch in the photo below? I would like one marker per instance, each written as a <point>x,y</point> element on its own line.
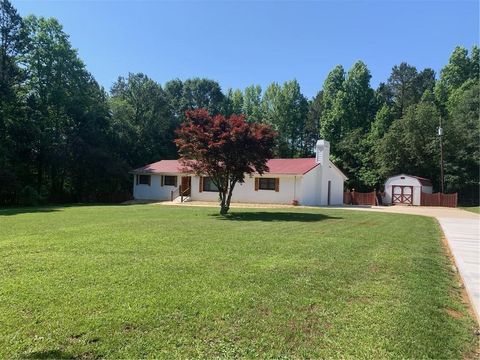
<point>454,313</point>
<point>367,223</point>
<point>129,328</point>
<point>75,338</point>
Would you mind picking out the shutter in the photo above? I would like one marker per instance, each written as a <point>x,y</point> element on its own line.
<point>163,180</point>
<point>200,189</point>
<point>136,179</point>
<point>277,184</point>
<point>257,181</point>
<point>149,180</point>
<point>176,181</point>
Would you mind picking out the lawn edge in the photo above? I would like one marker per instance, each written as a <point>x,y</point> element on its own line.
<point>466,296</point>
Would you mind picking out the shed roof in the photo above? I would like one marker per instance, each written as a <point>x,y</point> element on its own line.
<point>276,166</point>
<point>421,180</point>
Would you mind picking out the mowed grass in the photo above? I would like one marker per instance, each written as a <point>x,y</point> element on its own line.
<point>168,282</point>
<point>474,209</point>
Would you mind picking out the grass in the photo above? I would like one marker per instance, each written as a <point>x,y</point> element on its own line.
<point>169,282</point>
<point>474,209</point>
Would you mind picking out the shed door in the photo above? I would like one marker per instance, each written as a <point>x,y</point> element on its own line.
<point>402,194</point>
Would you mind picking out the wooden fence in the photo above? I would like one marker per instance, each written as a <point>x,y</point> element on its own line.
<point>439,199</point>
<point>358,198</point>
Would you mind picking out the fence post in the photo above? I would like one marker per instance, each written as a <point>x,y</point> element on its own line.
<point>353,196</point>
<point>375,197</point>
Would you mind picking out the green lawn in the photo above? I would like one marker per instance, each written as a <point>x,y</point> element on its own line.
<point>163,281</point>
<point>474,209</point>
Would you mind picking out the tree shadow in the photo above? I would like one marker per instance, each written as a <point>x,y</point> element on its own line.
<point>26,210</point>
<point>9,211</point>
<point>275,216</point>
<point>49,354</point>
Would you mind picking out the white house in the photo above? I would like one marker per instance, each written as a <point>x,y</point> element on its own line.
<point>309,181</point>
<point>406,189</point>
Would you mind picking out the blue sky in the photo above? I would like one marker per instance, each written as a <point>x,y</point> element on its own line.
<point>248,42</point>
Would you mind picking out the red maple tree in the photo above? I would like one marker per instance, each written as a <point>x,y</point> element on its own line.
<point>223,149</point>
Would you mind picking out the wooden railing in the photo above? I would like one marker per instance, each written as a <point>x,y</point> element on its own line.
<point>439,199</point>
<point>174,194</point>
<point>179,192</point>
<point>358,198</point>
<point>184,192</point>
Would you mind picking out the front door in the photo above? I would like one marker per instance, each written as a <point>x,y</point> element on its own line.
<point>186,185</point>
<point>402,194</point>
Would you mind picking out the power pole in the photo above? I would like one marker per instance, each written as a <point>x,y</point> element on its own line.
<point>440,135</point>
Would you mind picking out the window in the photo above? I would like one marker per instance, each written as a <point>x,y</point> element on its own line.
<point>143,180</point>
<point>267,183</point>
<point>170,180</point>
<point>208,185</point>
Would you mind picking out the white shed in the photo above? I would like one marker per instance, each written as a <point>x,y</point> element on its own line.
<point>406,189</point>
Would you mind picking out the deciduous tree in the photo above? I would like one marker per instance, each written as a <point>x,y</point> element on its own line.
<point>225,149</point>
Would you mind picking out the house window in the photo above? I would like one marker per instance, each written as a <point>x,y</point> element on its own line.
<point>208,185</point>
<point>143,180</point>
<point>267,183</point>
<point>170,180</point>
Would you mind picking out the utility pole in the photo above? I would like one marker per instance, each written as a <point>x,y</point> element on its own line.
<point>440,135</point>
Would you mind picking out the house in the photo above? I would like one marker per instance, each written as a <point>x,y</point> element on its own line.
<point>406,189</point>
<point>308,181</point>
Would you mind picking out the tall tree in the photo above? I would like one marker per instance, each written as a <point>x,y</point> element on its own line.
<point>312,126</point>
<point>359,98</point>
<point>285,109</point>
<point>202,93</point>
<point>252,103</point>
<point>233,103</point>
<point>402,83</point>
<point>12,46</point>
<point>333,103</point>
<point>462,148</point>
<point>142,119</point>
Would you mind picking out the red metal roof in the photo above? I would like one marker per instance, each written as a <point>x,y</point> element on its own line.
<point>277,166</point>
<point>291,166</point>
<point>162,166</point>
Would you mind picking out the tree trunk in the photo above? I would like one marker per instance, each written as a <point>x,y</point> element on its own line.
<point>225,198</point>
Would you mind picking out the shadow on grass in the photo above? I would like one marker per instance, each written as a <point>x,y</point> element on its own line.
<point>49,354</point>
<point>26,210</point>
<point>274,216</point>
<point>8,211</point>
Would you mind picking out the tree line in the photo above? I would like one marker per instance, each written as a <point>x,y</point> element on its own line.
<point>63,138</point>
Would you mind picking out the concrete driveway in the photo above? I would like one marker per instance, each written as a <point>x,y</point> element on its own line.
<point>462,231</point>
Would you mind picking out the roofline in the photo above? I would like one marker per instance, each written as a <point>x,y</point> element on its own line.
<point>134,172</point>
<point>418,178</point>
<point>345,177</point>
<point>138,171</point>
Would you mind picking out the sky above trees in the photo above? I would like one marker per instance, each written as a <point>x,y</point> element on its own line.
<point>239,44</point>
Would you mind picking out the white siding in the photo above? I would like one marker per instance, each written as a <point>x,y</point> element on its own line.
<point>154,191</point>
<point>289,189</point>
<point>336,186</point>
<point>311,187</point>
